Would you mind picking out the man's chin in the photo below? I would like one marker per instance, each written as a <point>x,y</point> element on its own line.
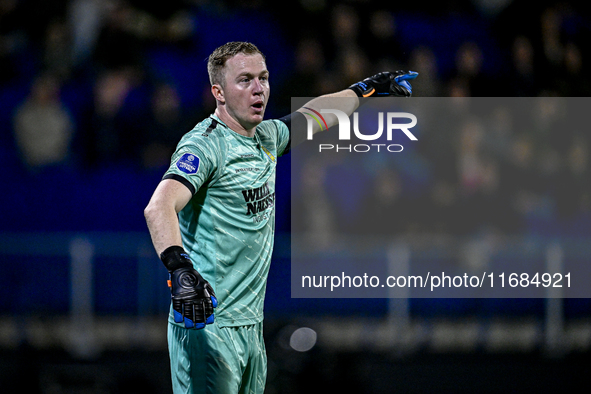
<point>252,122</point>
<point>257,117</point>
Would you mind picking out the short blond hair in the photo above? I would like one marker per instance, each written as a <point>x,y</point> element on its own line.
<point>217,59</point>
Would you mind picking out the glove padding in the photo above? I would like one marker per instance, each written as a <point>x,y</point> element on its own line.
<point>193,298</point>
<point>385,84</point>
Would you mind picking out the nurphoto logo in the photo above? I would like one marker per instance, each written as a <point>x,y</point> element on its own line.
<point>345,130</point>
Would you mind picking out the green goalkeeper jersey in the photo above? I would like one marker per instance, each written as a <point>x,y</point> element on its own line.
<point>228,227</point>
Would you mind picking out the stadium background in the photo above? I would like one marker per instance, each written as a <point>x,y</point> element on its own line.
<point>94,96</point>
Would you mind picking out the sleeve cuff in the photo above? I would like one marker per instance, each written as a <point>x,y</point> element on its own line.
<point>182,180</point>
<point>296,123</point>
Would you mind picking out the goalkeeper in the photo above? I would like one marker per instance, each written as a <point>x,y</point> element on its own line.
<point>212,217</point>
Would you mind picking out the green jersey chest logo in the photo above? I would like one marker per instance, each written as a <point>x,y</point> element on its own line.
<point>258,199</point>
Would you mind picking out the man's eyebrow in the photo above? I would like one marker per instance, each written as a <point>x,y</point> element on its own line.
<point>249,74</point>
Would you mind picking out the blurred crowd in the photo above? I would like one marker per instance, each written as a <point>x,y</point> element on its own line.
<point>481,167</point>
<point>89,95</point>
<point>91,83</point>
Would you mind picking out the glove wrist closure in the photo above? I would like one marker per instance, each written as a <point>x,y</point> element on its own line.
<point>175,257</point>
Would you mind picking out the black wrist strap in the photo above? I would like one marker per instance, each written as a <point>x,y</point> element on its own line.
<point>175,257</point>
<point>357,88</point>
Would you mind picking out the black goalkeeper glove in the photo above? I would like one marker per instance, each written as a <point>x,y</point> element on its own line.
<point>193,298</point>
<point>385,84</point>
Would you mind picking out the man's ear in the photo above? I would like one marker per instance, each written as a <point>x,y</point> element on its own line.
<point>218,93</point>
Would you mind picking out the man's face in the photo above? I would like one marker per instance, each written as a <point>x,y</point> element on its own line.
<point>246,89</point>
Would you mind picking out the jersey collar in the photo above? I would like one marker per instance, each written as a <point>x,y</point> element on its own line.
<point>255,138</point>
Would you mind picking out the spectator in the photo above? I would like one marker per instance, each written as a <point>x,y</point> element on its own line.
<point>110,129</point>
<point>423,58</point>
<point>164,126</point>
<point>382,34</point>
<point>572,184</point>
<point>523,78</point>
<point>551,36</point>
<point>469,59</point>
<point>350,57</point>
<point>573,81</point>
<point>307,76</point>
<point>13,38</point>
<point>85,18</point>
<point>313,215</point>
<point>385,210</point>
<point>56,51</point>
<point>43,126</point>
<point>118,45</point>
